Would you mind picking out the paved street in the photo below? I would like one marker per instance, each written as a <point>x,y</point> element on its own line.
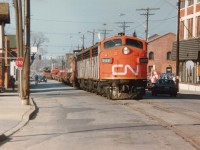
<point>68,118</point>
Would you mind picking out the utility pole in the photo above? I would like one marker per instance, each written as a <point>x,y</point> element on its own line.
<point>124,26</point>
<point>26,67</point>
<point>17,24</point>
<point>177,48</point>
<point>93,33</point>
<point>19,39</point>
<point>147,14</point>
<point>83,42</point>
<point>105,32</point>
<point>20,29</point>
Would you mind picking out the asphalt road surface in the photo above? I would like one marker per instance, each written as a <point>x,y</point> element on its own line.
<point>72,119</point>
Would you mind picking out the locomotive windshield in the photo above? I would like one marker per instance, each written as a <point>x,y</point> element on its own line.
<point>135,43</point>
<point>112,43</point>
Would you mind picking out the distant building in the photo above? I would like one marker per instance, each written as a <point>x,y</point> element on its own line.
<point>10,56</point>
<point>189,45</point>
<point>159,54</point>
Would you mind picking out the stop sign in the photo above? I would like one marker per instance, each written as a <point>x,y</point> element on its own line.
<point>19,62</point>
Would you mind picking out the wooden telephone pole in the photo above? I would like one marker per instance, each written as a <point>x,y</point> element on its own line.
<point>177,48</point>
<point>147,14</point>
<point>124,26</point>
<point>26,67</point>
<point>23,47</point>
<point>19,39</point>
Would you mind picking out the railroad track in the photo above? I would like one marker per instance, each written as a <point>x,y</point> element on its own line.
<point>141,105</point>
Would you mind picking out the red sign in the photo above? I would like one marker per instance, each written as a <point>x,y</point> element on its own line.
<point>19,62</point>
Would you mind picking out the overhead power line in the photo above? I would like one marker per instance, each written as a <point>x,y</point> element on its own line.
<point>124,26</point>
<point>105,32</point>
<point>147,14</point>
<point>165,19</point>
<point>68,21</point>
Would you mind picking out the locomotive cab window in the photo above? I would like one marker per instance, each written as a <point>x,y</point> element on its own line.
<point>134,43</point>
<point>112,43</point>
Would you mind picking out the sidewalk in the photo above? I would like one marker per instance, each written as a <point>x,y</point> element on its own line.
<point>13,114</point>
<point>189,87</point>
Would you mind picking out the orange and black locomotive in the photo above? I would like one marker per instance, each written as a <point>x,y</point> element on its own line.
<point>115,67</point>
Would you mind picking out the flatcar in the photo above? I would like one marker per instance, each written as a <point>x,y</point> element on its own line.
<point>115,67</point>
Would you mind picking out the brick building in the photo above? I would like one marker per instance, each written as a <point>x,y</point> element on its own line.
<point>10,57</point>
<point>189,45</point>
<point>4,19</point>
<point>159,54</point>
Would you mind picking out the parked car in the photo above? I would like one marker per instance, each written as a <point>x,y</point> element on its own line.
<point>42,79</point>
<point>164,86</point>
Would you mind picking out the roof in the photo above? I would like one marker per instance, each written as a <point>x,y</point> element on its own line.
<point>188,49</point>
<point>158,37</point>
<point>153,37</point>
<point>4,12</point>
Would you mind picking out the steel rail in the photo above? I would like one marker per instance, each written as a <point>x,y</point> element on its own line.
<point>165,124</point>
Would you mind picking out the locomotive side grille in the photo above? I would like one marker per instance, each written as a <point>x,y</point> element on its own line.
<point>79,57</point>
<point>95,52</point>
<point>86,55</point>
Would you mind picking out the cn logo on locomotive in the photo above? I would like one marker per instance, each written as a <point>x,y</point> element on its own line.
<point>126,67</point>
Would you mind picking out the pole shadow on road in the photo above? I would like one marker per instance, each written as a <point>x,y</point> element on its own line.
<point>50,87</point>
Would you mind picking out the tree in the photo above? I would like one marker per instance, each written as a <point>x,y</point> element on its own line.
<point>37,40</point>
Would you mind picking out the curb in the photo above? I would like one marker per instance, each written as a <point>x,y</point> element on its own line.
<point>25,119</point>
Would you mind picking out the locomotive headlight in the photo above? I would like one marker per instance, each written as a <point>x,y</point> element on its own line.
<point>126,50</point>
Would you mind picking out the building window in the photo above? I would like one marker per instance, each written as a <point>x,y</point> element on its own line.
<point>198,26</point>
<point>182,30</point>
<point>190,27</point>
<point>183,4</point>
<point>168,55</point>
<point>190,2</point>
<point>150,69</point>
<point>151,56</point>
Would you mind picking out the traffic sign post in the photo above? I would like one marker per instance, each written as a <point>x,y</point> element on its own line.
<point>19,64</point>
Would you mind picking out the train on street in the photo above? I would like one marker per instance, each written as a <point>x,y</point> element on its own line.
<point>115,68</point>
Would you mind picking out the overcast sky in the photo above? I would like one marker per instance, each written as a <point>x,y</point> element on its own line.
<point>64,22</point>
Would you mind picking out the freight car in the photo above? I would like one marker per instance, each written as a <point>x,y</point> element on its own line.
<point>115,67</point>
<point>66,74</point>
<point>54,72</point>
